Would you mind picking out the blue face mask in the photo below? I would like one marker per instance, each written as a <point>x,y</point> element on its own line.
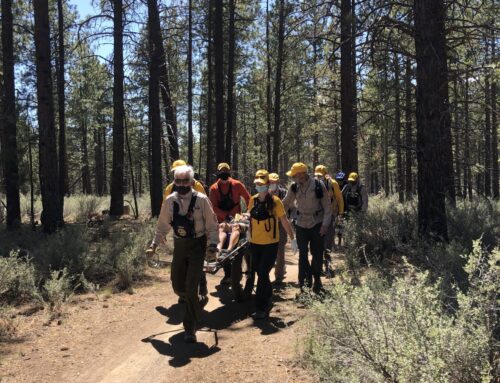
<point>261,188</point>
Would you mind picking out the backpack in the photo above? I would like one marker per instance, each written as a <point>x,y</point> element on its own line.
<point>317,188</point>
<point>353,199</point>
<point>226,202</point>
<point>263,211</point>
<point>183,225</point>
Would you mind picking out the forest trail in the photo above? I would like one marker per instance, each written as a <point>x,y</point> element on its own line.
<point>138,338</point>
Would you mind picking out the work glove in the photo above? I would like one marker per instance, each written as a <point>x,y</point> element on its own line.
<point>211,253</point>
<point>295,247</point>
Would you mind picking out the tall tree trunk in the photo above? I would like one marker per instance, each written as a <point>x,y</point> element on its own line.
<point>190,82</point>
<point>494,126</point>
<point>397,123</point>
<point>432,117</point>
<point>349,146</point>
<point>231,108</point>
<point>269,100</point>
<point>467,161</point>
<point>219,81</point>
<point>104,161</point>
<point>98,158</point>
<point>168,105</point>
<point>277,86</point>
<point>117,172</point>
<point>487,134</point>
<point>8,137</point>
<point>61,101</point>
<point>210,152</point>
<point>408,135</point>
<point>457,124</point>
<point>154,107</point>
<point>86,184</point>
<point>52,214</point>
<point>314,93</point>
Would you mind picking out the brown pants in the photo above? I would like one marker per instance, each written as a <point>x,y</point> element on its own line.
<point>186,272</point>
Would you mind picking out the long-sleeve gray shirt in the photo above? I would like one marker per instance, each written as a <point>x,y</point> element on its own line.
<point>205,221</point>
<point>310,209</point>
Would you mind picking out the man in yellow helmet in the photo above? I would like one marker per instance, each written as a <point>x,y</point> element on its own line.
<point>333,188</point>
<point>198,186</point>
<point>314,213</point>
<point>355,194</point>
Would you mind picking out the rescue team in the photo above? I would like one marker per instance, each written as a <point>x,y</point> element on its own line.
<point>205,225</point>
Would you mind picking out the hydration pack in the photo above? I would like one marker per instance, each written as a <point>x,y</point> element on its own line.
<point>263,211</point>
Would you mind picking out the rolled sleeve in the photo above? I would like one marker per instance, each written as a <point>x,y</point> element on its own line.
<point>211,225</point>
<point>163,225</point>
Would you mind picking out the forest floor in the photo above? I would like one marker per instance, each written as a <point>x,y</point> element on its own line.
<point>138,337</point>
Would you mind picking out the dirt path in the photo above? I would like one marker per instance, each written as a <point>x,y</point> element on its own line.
<point>138,338</point>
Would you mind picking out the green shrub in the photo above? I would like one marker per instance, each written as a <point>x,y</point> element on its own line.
<point>402,332</point>
<point>67,248</point>
<point>57,289</point>
<point>129,257</point>
<point>17,279</point>
<point>87,205</point>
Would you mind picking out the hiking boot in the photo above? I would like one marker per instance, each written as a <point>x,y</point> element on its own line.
<point>190,337</point>
<point>225,281</point>
<point>259,314</point>
<point>203,300</point>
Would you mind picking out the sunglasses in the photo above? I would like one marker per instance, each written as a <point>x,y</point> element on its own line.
<point>181,181</point>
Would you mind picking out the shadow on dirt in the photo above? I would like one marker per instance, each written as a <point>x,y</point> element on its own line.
<point>182,353</point>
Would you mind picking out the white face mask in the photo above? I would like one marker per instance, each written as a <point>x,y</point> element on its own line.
<point>273,187</point>
<point>261,188</point>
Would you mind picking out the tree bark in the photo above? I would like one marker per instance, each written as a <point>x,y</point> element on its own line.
<point>52,214</point>
<point>494,127</point>
<point>467,161</point>
<point>86,184</point>
<point>61,101</point>
<point>277,86</point>
<point>408,132</point>
<point>117,172</point>
<point>432,117</point>
<point>219,81</point>
<point>487,135</point>
<point>349,146</point>
<point>231,109</point>
<point>8,137</point>
<point>154,107</point>
<point>169,109</point>
<point>210,153</point>
<point>269,101</point>
<point>397,123</point>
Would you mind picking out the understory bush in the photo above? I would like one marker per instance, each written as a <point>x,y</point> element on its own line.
<point>75,258</point>
<point>404,332</point>
<point>390,229</point>
<point>17,279</point>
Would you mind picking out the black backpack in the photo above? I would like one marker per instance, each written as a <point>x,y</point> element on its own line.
<point>263,211</point>
<point>317,188</point>
<point>183,225</point>
<point>226,202</point>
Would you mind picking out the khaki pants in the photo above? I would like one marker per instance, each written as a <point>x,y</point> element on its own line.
<point>280,267</point>
<point>186,272</point>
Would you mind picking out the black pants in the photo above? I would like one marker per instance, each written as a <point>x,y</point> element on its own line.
<point>263,258</point>
<point>186,272</point>
<point>310,238</point>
